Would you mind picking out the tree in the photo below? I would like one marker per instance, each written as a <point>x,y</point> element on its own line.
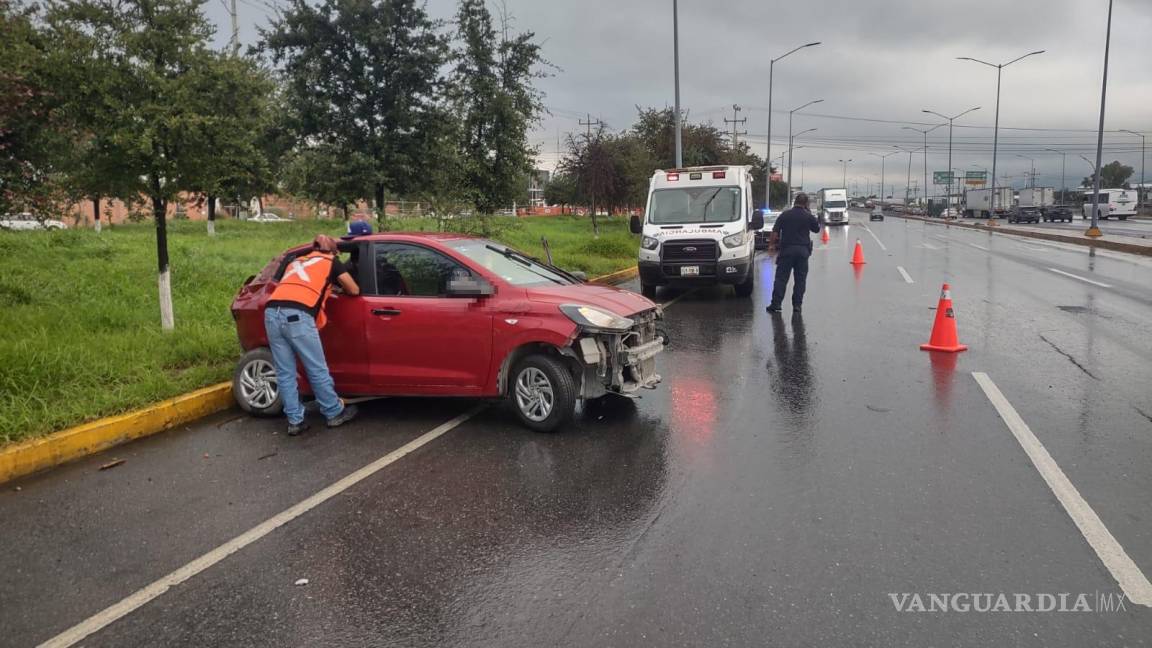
<point>142,86</point>
<point>492,92</point>
<point>31,135</point>
<point>329,175</point>
<point>1113,176</point>
<point>364,76</point>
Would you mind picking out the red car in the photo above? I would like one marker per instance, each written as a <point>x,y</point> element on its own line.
<point>451,315</point>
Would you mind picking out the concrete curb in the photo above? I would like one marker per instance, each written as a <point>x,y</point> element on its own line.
<point>1102,243</point>
<point>25,458</point>
<point>67,445</point>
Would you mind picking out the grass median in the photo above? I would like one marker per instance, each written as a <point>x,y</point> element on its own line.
<point>80,330</point>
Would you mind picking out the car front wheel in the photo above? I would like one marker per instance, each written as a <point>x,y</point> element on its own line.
<point>543,393</point>
<point>254,384</point>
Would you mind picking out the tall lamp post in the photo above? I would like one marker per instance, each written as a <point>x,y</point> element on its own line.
<point>1142,188</point>
<point>1032,173</point>
<point>676,72</point>
<point>1063,177</point>
<point>882,159</point>
<point>996,129</point>
<point>791,147</point>
<point>790,113</point>
<point>948,199</point>
<point>924,132</point>
<point>908,180</point>
<point>1094,229</point>
<point>768,154</point>
<point>844,179</point>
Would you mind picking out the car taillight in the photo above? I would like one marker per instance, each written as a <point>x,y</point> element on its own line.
<point>718,175</point>
<point>673,177</point>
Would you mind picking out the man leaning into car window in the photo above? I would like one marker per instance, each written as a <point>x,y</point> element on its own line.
<point>293,319</point>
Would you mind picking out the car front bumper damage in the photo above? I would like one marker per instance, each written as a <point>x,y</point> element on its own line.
<point>621,362</point>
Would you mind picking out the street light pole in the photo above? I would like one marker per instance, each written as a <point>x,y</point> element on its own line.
<point>996,128</point>
<point>791,147</point>
<point>1094,230</point>
<point>1142,160</point>
<point>676,72</point>
<point>948,199</point>
<point>1032,174</point>
<point>768,153</point>
<point>908,180</point>
<point>924,132</point>
<point>882,160</point>
<point>844,179</point>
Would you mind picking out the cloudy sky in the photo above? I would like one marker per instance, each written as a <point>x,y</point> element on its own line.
<point>881,63</point>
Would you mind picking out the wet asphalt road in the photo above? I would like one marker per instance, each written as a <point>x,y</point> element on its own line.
<point>787,477</point>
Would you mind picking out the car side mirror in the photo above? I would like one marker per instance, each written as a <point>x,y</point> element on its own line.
<point>635,225</point>
<point>470,287</point>
<point>757,220</point>
<point>579,274</point>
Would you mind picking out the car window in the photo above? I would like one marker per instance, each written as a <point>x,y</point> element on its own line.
<point>412,270</point>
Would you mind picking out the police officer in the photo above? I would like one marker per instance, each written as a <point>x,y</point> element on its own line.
<point>792,229</point>
<point>293,319</point>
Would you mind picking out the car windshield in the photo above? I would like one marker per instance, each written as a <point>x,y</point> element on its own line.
<point>835,204</point>
<point>511,265</point>
<point>694,205</point>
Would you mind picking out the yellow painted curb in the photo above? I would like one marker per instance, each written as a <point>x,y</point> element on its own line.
<point>617,277</point>
<point>25,458</point>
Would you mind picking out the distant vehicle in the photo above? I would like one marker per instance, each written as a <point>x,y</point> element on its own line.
<point>833,206</point>
<point>1057,213</point>
<point>268,217</point>
<point>1039,197</point>
<point>978,202</point>
<point>877,214</point>
<point>1120,203</point>
<point>1021,214</point>
<point>950,212</point>
<point>765,233</point>
<point>26,221</point>
<point>699,228</point>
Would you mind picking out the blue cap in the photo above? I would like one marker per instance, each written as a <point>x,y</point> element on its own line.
<point>359,228</point>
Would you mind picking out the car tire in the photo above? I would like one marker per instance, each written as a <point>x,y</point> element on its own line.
<point>748,286</point>
<point>254,384</point>
<point>648,290</point>
<point>542,392</point>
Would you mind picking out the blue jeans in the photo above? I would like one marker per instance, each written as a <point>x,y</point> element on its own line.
<point>292,334</point>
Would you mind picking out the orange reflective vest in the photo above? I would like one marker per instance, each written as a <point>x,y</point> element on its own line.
<point>305,282</point>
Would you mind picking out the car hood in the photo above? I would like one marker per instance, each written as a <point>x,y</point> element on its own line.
<point>622,302</point>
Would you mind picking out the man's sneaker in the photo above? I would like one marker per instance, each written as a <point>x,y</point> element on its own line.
<point>797,309</point>
<point>774,309</point>
<point>295,429</point>
<point>343,417</point>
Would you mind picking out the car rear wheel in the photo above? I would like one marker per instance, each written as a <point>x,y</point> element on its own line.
<point>543,393</point>
<point>254,384</point>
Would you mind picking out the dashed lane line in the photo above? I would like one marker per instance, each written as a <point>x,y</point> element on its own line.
<point>904,273</point>
<point>135,601</point>
<point>878,241</point>
<point>1132,581</point>
<point>1084,279</point>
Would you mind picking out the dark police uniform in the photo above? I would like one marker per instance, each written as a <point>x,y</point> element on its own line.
<point>793,227</point>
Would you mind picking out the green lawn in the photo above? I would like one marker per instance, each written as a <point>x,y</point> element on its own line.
<point>79,316</point>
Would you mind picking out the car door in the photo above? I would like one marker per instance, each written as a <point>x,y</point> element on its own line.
<point>420,341</point>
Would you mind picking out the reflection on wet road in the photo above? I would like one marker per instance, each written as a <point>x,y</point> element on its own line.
<point>789,476</point>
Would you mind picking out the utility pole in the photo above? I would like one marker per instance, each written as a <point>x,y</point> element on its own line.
<point>1143,156</point>
<point>676,71</point>
<point>734,121</point>
<point>235,29</point>
<point>844,178</point>
<point>589,123</point>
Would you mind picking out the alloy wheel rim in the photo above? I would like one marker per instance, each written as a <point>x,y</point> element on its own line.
<point>534,394</point>
<point>258,384</point>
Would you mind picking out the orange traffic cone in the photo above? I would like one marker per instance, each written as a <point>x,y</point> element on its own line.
<point>944,336</point>
<point>824,238</point>
<point>858,255</point>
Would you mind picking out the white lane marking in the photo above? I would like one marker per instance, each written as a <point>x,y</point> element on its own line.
<point>904,273</point>
<point>979,247</point>
<point>133,602</point>
<point>1135,585</point>
<point>1085,280</point>
<point>929,246</point>
<point>878,241</point>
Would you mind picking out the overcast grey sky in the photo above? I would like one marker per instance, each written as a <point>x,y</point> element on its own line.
<point>882,60</point>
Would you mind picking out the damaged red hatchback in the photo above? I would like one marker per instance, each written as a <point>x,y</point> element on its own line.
<point>450,315</point>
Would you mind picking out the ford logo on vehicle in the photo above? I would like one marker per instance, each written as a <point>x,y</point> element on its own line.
<point>690,248</point>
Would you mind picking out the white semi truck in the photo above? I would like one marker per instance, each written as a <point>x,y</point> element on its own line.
<point>832,204</point>
<point>978,202</point>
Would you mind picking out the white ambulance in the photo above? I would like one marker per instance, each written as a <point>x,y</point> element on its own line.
<point>699,228</point>
<point>1120,203</point>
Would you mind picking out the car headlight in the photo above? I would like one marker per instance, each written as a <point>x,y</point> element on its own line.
<point>735,240</point>
<point>598,318</point>
<point>649,243</point>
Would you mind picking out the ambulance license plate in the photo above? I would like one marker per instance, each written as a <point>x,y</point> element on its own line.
<point>689,271</point>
